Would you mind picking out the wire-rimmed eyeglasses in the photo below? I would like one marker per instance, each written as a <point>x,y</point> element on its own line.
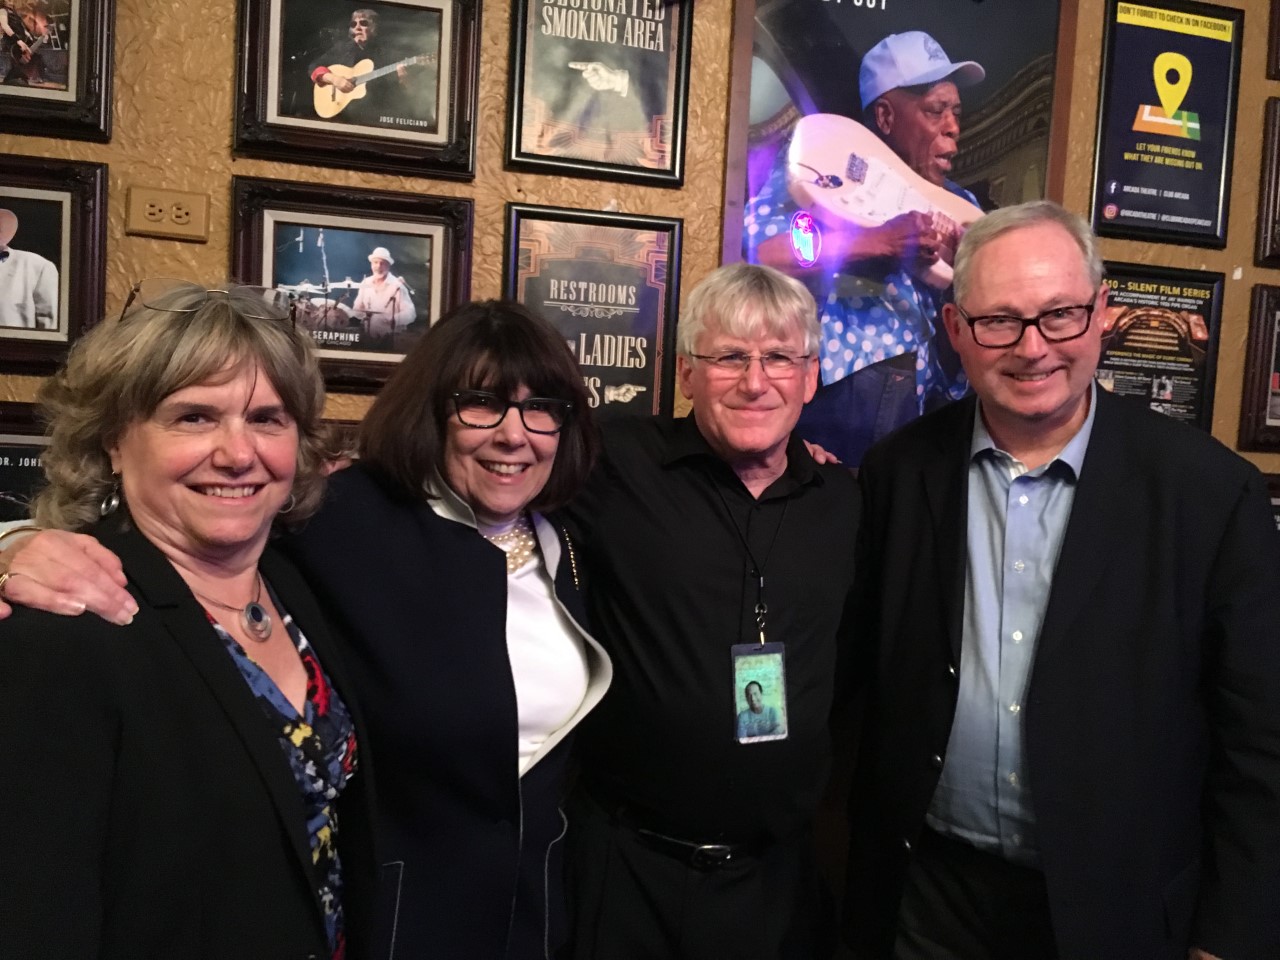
<point>480,408</point>
<point>182,296</point>
<point>734,363</point>
<point>1056,326</point>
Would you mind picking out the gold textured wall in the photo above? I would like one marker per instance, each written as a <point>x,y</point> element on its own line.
<point>175,73</point>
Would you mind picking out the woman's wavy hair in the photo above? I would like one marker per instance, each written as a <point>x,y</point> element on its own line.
<point>488,345</point>
<point>119,373</point>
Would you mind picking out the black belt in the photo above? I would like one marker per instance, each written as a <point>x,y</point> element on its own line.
<point>695,853</point>
<point>704,856</point>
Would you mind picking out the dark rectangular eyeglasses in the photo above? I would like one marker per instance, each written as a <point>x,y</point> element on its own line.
<point>480,408</point>
<point>1056,326</point>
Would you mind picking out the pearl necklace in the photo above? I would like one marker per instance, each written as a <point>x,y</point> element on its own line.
<point>518,542</point>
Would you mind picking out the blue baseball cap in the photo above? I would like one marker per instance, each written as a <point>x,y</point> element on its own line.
<point>908,60</point>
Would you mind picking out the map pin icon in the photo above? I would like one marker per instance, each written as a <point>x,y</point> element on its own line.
<point>1171,94</point>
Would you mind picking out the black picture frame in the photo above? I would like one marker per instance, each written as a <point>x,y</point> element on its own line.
<point>1160,178</point>
<point>591,97</point>
<point>21,440</point>
<point>610,283</point>
<point>1161,328</point>
<point>1273,42</point>
<point>356,354</point>
<point>1267,246</point>
<point>1260,394</point>
<point>429,127</point>
<point>61,210</point>
<point>68,91</point>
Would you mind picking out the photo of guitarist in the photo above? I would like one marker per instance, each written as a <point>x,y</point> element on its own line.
<point>368,80</point>
<point>18,46</point>
<point>872,283</point>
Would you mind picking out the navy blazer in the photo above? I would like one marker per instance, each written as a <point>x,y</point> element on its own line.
<point>149,809</point>
<point>1153,711</point>
<point>470,851</point>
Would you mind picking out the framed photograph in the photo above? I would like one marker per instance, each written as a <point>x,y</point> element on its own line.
<point>52,249</point>
<point>1260,405</point>
<point>1273,491</point>
<point>600,89</point>
<point>609,283</point>
<point>1267,249</point>
<point>21,441</point>
<point>863,134</point>
<point>56,67</point>
<point>1160,338</point>
<point>1166,121</point>
<point>1273,45</point>
<point>384,86</point>
<point>371,269</point>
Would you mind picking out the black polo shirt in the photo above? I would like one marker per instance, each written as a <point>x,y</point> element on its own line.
<point>670,590</point>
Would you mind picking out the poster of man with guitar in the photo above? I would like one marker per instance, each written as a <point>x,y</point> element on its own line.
<point>375,66</point>
<point>24,34</point>
<point>857,186</point>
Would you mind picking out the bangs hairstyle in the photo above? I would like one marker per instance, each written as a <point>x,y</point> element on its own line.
<point>491,345</point>
<point>119,373</point>
<point>749,301</point>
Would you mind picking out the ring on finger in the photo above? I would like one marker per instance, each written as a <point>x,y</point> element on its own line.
<point>4,578</point>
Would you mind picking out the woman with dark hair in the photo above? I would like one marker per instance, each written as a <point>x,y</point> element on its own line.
<point>463,609</point>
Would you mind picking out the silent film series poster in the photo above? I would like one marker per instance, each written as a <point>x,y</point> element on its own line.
<point>1161,339</point>
<point>878,132</point>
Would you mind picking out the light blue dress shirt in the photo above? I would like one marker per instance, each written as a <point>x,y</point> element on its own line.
<point>1016,522</point>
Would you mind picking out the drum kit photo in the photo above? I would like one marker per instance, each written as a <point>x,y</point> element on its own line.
<point>322,307</point>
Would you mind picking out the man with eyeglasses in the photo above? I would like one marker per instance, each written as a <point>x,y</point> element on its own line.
<point>1072,742</point>
<point>707,548</point>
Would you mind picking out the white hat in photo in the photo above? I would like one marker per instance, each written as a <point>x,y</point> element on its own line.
<point>908,60</point>
<point>8,226</point>
<point>382,253</point>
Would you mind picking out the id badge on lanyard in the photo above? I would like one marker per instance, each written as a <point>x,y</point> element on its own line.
<point>759,692</point>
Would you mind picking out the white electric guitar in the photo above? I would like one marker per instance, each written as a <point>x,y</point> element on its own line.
<point>845,176</point>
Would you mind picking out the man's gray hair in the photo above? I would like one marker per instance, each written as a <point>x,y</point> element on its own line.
<point>749,301</point>
<point>1030,214</point>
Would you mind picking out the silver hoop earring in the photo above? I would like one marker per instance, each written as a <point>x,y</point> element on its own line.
<point>111,502</point>
<point>289,504</point>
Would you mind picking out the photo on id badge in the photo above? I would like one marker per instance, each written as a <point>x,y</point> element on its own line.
<point>760,692</point>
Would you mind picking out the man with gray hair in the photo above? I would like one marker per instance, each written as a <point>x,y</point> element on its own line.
<point>706,547</point>
<point>1072,741</point>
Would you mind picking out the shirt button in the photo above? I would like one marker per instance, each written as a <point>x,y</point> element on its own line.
<point>1023,499</point>
<point>1017,636</point>
<point>1019,566</point>
<point>936,761</point>
<point>1015,707</point>
<point>1013,779</point>
<point>906,844</point>
<point>951,669</point>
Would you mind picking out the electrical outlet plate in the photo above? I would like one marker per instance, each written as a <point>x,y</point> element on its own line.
<point>172,214</point>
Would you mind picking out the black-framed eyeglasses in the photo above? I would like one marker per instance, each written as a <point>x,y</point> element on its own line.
<point>480,408</point>
<point>1056,326</point>
<point>775,364</point>
<point>182,296</point>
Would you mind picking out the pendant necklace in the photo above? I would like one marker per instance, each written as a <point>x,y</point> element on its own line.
<point>253,615</point>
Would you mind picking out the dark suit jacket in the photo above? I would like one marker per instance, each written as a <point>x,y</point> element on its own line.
<point>470,853</point>
<point>148,809</point>
<point>1153,715</point>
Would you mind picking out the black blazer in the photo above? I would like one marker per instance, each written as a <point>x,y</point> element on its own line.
<point>149,810</point>
<point>470,853</point>
<point>1153,714</point>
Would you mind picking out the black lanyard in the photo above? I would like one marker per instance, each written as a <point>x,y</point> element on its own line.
<point>757,569</point>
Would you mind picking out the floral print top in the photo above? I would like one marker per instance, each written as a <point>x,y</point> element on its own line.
<point>320,747</point>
